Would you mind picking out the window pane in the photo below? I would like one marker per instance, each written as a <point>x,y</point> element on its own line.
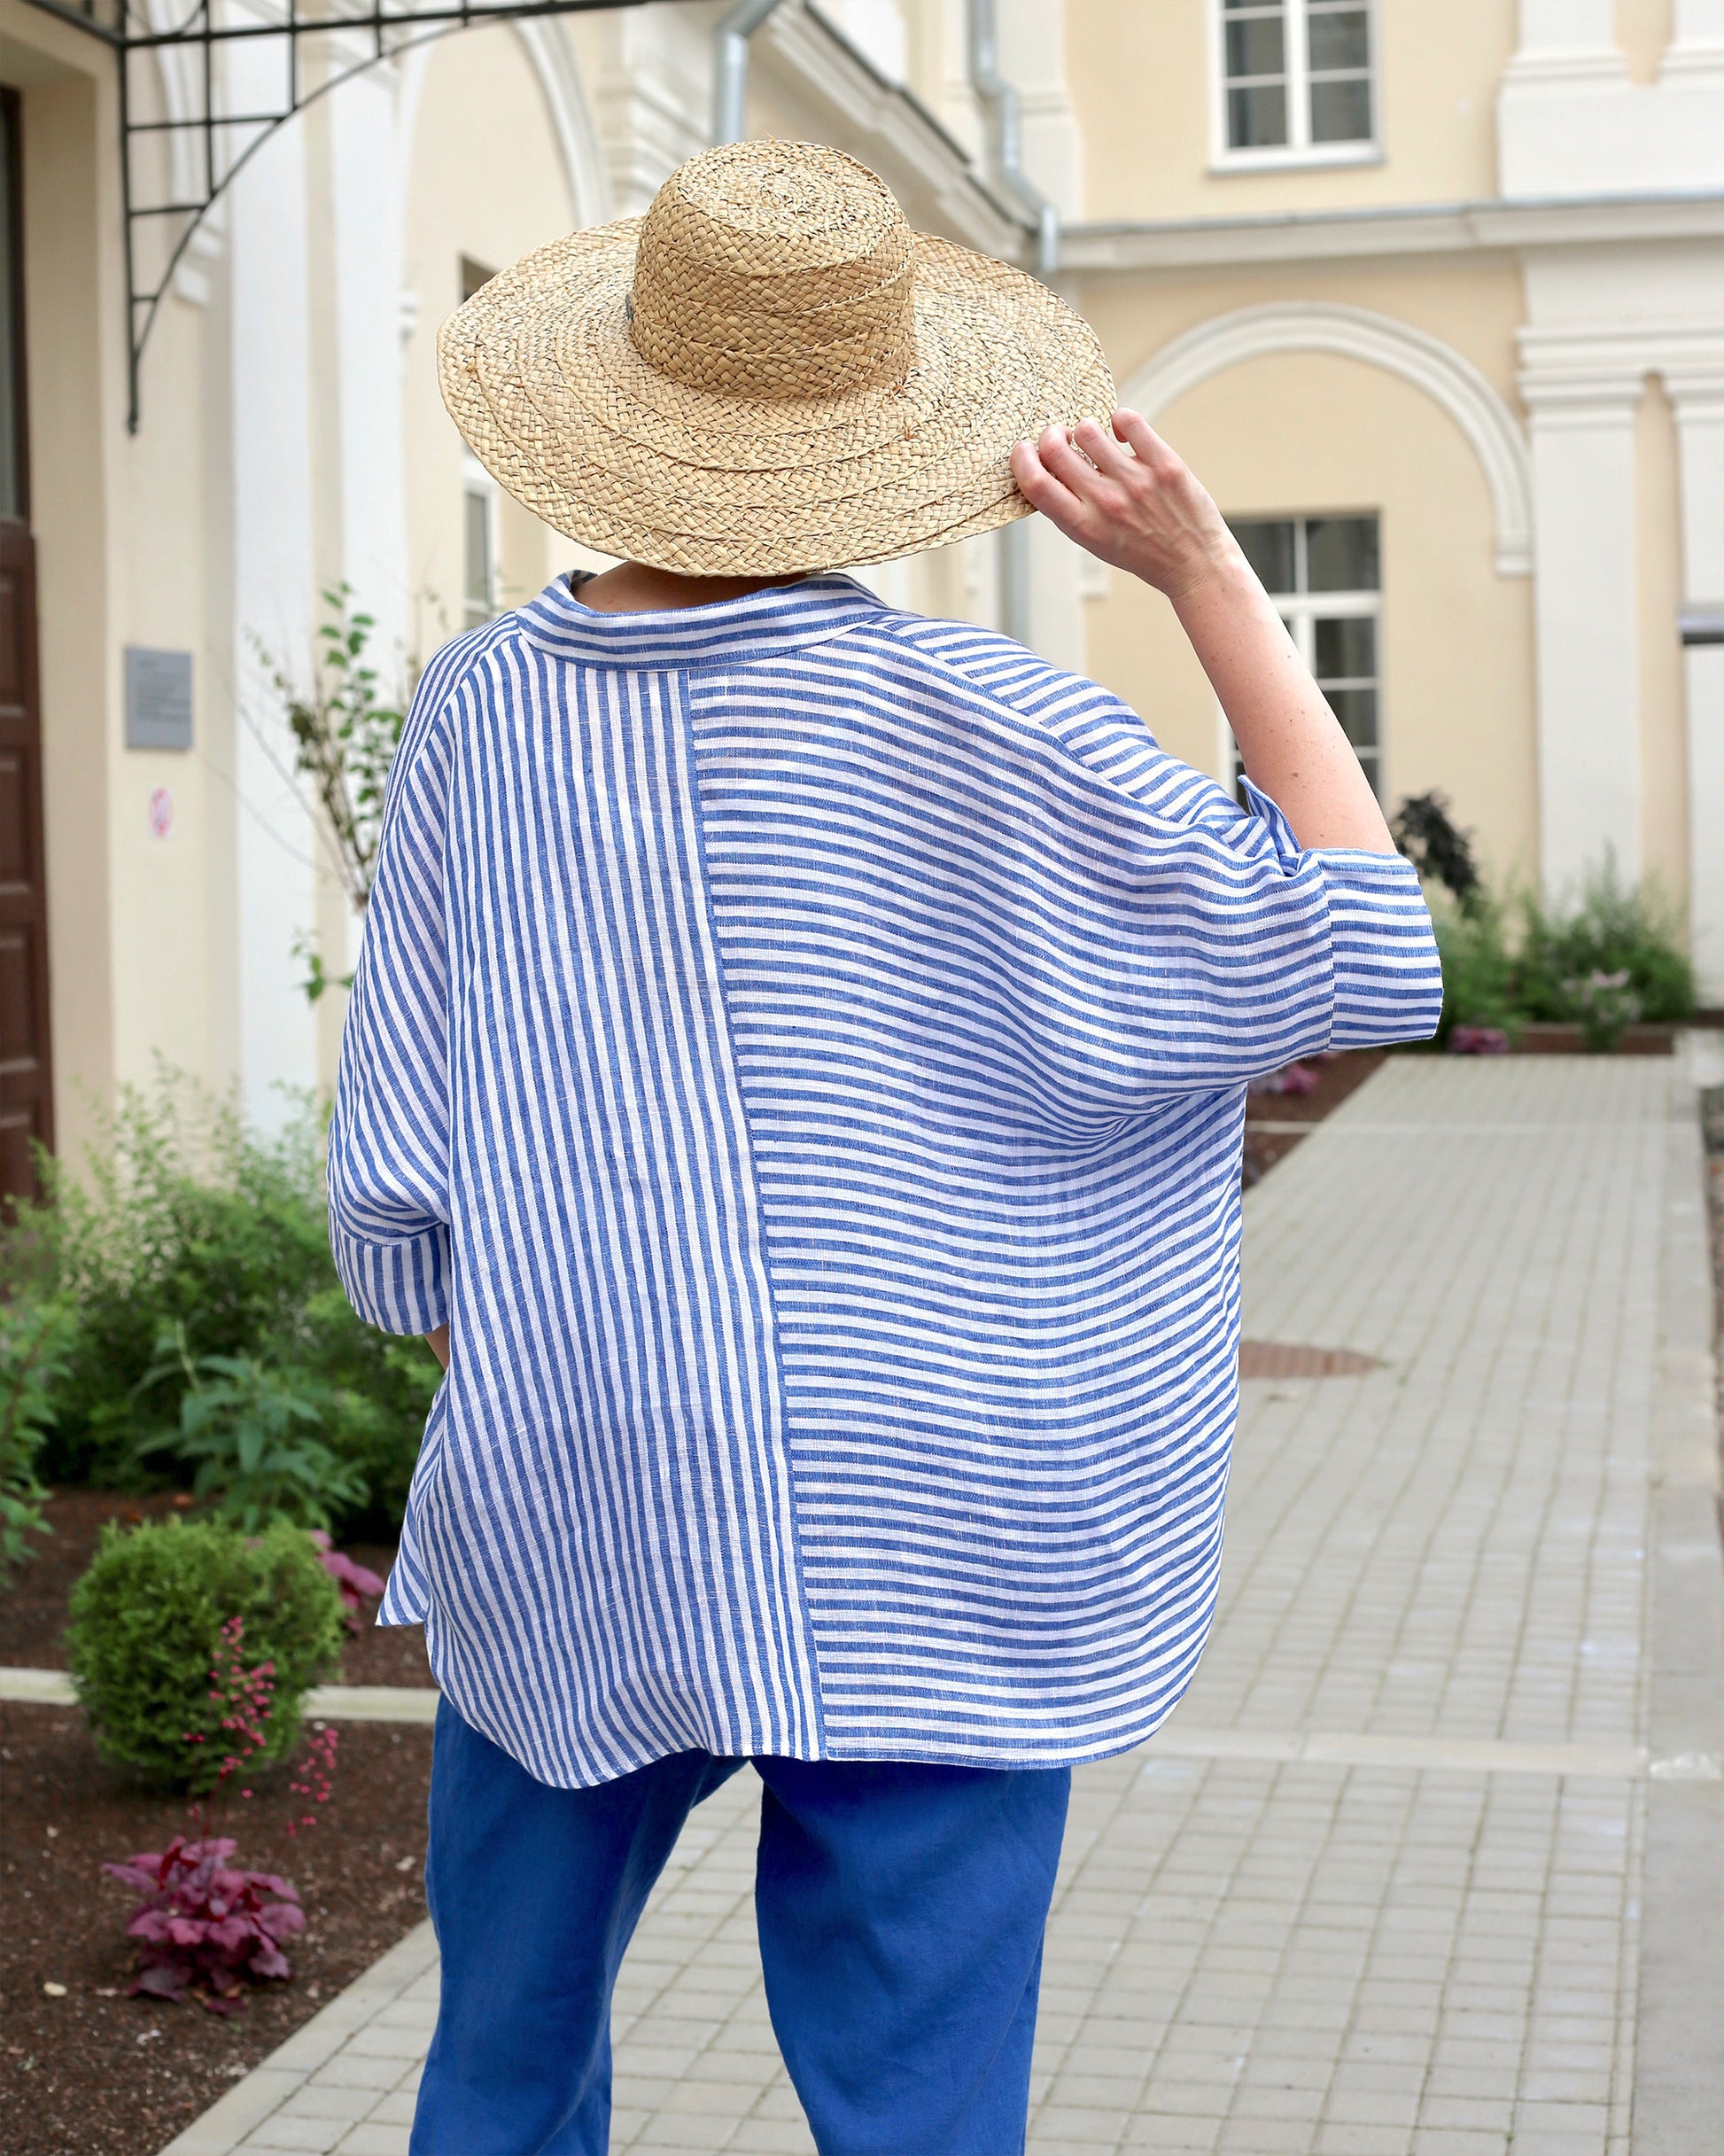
<point>1268,547</point>
<point>1345,649</point>
<point>1340,41</point>
<point>478,556</point>
<point>1256,46</point>
<point>1257,119</point>
<point>1342,553</point>
<point>1356,709</point>
<point>1340,111</point>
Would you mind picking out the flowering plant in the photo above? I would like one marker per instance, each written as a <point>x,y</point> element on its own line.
<point>204,1922</point>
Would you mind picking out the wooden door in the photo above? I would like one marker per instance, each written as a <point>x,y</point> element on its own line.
<point>26,1097</point>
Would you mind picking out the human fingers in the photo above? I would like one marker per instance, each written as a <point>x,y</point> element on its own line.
<point>1040,488</point>
<point>1072,470</point>
<point>1109,457</point>
<point>1133,429</point>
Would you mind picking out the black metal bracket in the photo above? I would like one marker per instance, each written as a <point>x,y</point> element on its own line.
<point>215,138</point>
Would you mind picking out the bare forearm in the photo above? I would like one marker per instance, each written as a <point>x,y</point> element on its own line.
<point>438,1344</point>
<point>1128,498</point>
<point>1290,741</point>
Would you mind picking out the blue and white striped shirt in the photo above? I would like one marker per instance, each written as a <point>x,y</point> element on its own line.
<point>801,1049</point>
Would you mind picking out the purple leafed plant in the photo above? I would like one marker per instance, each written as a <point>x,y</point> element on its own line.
<point>358,1584</point>
<point>1291,1078</point>
<point>204,1925</point>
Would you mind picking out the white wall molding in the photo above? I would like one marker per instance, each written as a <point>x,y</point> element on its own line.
<point>1696,394</point>
<point>1570,120</point>
<point>546,42</point>
<point>1125,248</point>
<point>1378,340</point>
<point>1593,367</point>
<point>650,71</point>
<point>891,129</point>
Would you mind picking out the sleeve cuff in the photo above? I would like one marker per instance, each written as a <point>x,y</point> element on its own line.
<point>1388,978</point>
<point>401,1285</point>
<point>1280,831</point>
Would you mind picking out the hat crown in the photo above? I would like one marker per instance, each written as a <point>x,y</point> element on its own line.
<point>775,270</point>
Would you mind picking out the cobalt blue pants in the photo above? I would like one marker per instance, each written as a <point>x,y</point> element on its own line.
<point>901,1909</point>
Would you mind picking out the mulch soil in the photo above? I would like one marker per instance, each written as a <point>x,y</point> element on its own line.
<point>94,2072</point>
<point>1712,1116</point>
<point>1337,1075</point>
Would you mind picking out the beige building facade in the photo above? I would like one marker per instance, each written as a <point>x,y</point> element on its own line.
<point>1432,298</point>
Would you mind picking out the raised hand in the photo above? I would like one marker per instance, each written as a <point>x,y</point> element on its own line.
<point>1129,499</point>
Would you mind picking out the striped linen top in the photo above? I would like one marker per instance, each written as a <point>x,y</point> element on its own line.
<point>801,1048</point>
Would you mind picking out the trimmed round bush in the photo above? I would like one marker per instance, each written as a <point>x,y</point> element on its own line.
<point>146,1632</point>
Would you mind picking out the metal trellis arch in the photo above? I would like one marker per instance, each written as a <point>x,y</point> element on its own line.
<point>216,132</point>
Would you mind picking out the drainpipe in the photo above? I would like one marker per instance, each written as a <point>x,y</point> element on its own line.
<point>730,67</point>
<point>1002,97</point>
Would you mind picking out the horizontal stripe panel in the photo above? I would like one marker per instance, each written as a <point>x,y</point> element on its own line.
<point>801,1050</point>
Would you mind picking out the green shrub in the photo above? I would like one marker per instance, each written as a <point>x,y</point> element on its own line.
<point>1610,957</point>
<point>1478,965</point>
<point>34,1336</point>
<point>146,1634</point>
<point>252,1434</point>
<point>179,1217</point>
<point>1613,928</point>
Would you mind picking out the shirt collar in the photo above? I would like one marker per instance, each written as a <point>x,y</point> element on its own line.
<point>765,624</point>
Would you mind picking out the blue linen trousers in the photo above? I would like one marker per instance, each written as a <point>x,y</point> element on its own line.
<point>901,1909</point>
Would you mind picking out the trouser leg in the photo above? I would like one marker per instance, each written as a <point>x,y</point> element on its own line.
<point>535,1893</point>
<point>902,1910</point>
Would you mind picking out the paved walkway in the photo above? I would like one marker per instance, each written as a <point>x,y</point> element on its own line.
<point>1429,1861</point>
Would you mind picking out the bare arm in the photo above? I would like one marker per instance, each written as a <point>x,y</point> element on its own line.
<point>438,1344</point>
<point>1129,500</point>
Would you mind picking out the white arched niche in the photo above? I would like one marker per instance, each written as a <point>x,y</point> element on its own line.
<point>1354,332</point>
<point>545,41</point>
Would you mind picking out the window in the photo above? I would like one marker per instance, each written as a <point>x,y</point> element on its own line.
<point>478,592</point>
<point>1294,79</point>
<point>478,530</point>
<point>1322,573</point>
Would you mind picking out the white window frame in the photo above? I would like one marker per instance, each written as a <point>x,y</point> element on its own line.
<point>478,485</point>
<point>1300,610</point>
<point>1298,152</point>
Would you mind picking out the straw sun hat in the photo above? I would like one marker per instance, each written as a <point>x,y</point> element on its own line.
<point>769,372</point>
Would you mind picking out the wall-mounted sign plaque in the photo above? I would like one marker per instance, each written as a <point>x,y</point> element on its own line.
<point>158,698</point>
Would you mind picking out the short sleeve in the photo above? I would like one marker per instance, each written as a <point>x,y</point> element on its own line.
<point>1386,976</point>
<point>389,1141</point>
<point>1217,949</point>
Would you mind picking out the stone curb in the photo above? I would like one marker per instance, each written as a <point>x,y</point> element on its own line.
<point>269,2085</point>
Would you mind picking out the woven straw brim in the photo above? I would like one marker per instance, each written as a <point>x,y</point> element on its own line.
<point>541,376</point>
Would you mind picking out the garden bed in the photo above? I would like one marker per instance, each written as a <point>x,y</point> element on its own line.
<point>1276,1122</point>
<point>1712,1124</point>
<point>1549,1039</point>
<point>33,1608</point>
<point>96,2070</point>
